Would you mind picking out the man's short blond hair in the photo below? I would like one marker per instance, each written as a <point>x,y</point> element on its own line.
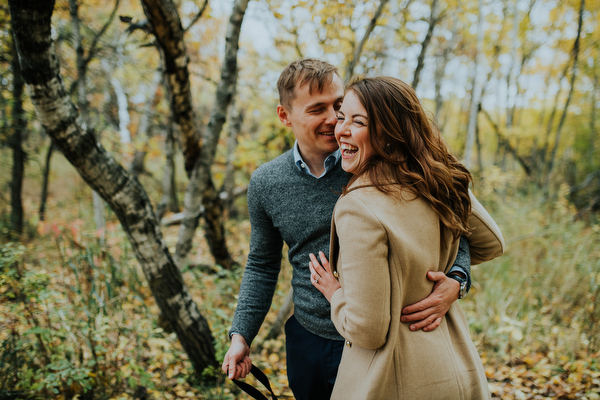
<point>310,71</point>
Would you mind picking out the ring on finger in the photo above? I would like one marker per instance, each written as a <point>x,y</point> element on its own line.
<point>317,280</point>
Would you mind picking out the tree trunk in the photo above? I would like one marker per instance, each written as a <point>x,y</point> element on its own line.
<point>45,182</point>
<point>434,18</point>
<point>511,78</point>
<point>476,94</point>
<point>31,21</point>
<point>143,133</point>
<point>200,188</point>
<point>82,103</point>
<point>284,313</point>
<point>122,102</point>
<point>575,53</point>
<point>358,51</point>
<point>168,31</point>
<point>593,115</point>
<point>236,119</point>
<point>440,71</point>
<point>503,142</point>
<point>169,195</point>
<point>18,126</point>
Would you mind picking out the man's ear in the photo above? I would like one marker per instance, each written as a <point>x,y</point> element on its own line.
<point>283,115</point>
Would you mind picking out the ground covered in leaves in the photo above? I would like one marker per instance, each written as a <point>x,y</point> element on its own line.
<point>78,321</point>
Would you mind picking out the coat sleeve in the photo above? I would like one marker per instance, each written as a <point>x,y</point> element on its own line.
<point>485,239</point>
<point>360,310</point>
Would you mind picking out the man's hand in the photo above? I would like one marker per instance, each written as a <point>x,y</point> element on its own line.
<point>237,363</point>
<point>428,313</point>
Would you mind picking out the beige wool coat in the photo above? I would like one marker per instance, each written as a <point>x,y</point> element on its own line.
<point>381,250</point>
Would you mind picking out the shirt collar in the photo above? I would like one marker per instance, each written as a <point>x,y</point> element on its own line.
<point>329,163</point>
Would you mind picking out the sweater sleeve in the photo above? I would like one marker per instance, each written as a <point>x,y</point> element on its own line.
<point>463,261</point>
<point>262,268</point>
<point>360,309</point>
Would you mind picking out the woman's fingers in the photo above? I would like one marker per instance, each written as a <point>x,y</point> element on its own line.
<point>325,262</point>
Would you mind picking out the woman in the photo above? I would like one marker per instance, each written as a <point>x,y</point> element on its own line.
<point>402,212</point>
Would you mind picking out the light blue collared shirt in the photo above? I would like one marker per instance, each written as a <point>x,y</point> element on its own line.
<point>329,163</point>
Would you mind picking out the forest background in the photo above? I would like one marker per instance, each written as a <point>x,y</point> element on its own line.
<point>127,146</point>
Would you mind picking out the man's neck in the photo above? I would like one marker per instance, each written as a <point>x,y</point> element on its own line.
<point>315,162</point>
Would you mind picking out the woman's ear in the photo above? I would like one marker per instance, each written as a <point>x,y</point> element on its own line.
<point>283,115</point>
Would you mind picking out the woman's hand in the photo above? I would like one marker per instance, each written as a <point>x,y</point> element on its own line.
<point>321,276</point>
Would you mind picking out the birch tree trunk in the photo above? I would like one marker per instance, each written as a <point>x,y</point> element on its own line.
<point>122,102</point>
<point>82,103</point>
<point>477,87</point>
<point>31,21</point>
<point>434,18</point>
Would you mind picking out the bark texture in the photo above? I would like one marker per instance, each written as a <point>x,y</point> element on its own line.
<point>201,190</point>
<point>18,126</point>
<point>168,31</point>
<point>58,115</point>
<point>45,182</point>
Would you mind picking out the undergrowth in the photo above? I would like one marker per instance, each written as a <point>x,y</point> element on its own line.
<point>78,319</point>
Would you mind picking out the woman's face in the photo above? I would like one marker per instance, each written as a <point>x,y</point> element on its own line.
<point>352,133</point>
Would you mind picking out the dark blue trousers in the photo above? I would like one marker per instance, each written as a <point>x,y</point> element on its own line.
<point>312,362</point>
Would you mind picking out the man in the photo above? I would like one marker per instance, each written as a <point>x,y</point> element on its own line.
<point>291,200</point>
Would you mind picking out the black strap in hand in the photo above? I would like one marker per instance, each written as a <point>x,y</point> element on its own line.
<point>251,390</point>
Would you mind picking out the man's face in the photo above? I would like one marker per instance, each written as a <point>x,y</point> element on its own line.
<point>312,118</point>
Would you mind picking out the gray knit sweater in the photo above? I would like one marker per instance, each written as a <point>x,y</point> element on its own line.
<point>286,205</point>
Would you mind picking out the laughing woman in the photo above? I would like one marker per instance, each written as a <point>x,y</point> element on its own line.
<point>402,212</point>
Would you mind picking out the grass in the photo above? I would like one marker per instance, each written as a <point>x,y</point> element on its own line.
<point>77,317</point>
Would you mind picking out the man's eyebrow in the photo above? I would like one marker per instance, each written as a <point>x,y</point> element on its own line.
<point>315,105</point>
<point>321,104</point>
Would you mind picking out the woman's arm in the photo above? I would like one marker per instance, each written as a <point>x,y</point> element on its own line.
<point>360,309</point>
<point>485,239</point>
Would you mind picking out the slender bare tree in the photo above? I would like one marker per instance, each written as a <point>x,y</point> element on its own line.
<point>434,18</point>
<point>31,22</point>
<point>17,133</point>
<point>201,190</point>
<point>359,48</point>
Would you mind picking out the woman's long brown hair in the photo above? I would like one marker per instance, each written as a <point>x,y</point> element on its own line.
<point>410,151</point>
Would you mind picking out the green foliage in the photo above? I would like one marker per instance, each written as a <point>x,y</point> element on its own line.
<point>544,293</point>
<point>74,329</point>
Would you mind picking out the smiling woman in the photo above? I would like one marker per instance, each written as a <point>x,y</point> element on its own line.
<point>400,216</point>
<point>352,133</point>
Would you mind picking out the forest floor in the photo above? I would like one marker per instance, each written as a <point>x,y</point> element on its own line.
<point>77,319</point>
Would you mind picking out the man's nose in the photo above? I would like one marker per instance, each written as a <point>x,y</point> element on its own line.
<point>331,117</point>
